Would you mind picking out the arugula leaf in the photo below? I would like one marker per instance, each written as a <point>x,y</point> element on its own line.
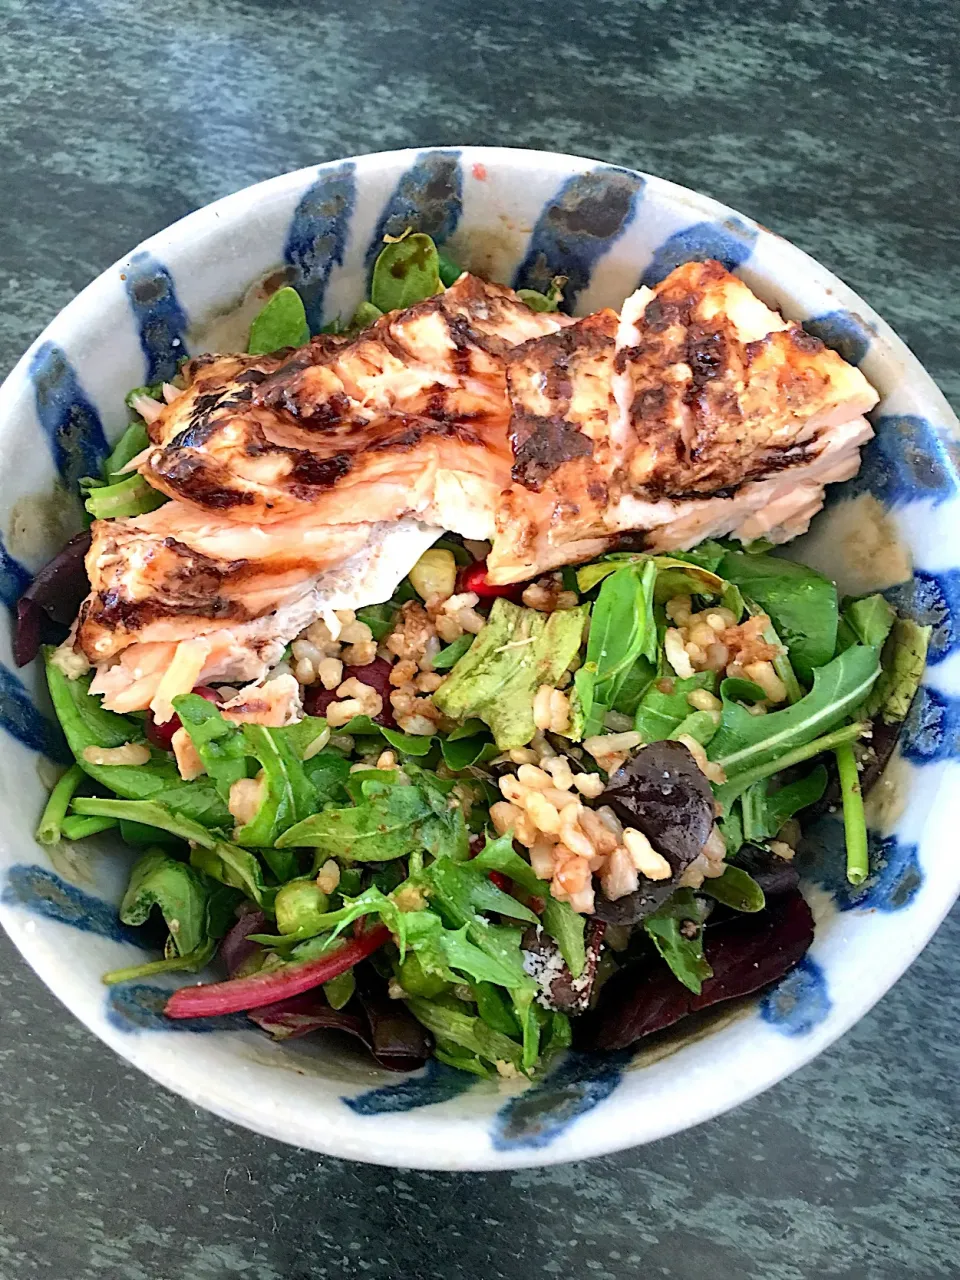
<point>328,771</point>
<point>410,744</point>
<point>764,813</point>
<point>384,827</point>
<point>463,891</point>
<point>219,744</point>
<point>181,895</point>
<point>129,496</point>
<point>133,441</point>
<point>744,741</point>
<point>904,660</point>
<point>405,272</point>
<point>622,629</point>
<point>451,655</point>
<point>636,683</point>
<point>729,792</point>
<point>559,919</point>
<point>517,651</point>
<point>289,797</point>
<point>708,555</point>
<point>736,888</point>
<point>281,322</point>
<point>683,954</point>
<point>801,604</point>
<point>664,705</point>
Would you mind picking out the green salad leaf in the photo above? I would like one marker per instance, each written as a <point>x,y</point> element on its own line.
<point>129,496</point>
<point>405,272</point>
<point>745,741</point>
<point>764,812</point>
<point>281,322</point>
<point>904,660</point>
<point>177,890</point>
<point>664,705</point>
<point>86,724</point>
<point>865,621</point>
<point>497,678</point>
<point>133,441</point>
<point>676,930</point>
<point>236,867</point>
<point>219,744</point>
<point>801,604</point>
<point>736,888</point>
<point>622,629</point>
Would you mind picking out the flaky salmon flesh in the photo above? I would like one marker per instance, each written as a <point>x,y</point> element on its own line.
<point>696,412</point>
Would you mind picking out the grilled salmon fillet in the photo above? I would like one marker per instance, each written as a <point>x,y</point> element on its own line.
<point>721,418</point>
<point>408,418</point>
<point>227,598</point>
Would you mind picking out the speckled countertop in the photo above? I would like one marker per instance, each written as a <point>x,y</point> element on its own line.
<point>834,123</point>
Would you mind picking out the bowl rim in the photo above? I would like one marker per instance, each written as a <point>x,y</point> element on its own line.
<point>387,1143</point>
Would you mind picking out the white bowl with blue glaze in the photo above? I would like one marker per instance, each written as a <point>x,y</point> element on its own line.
<point>518,217</point>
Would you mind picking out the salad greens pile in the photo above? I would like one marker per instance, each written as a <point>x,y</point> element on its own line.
<point>346,868</point>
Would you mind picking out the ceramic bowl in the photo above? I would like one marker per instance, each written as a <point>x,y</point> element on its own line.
<point>518,217</point>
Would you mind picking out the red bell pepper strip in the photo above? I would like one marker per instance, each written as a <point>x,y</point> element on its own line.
<point>239,994</point>
<point>474,578</point>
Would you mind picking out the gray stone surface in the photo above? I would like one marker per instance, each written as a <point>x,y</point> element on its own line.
<point>834,123</point>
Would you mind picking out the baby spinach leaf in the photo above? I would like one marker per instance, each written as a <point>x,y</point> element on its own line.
<point>450,271</point>
<point>149,812</point>
<point>281,322</point>
<point>340,990</point>
<point>181,895</point>
<point>707,555</point>
<point>745,741</point>
<point>461,753</point>
<point>664,705</point>
<point>801,604</point>
<point>446,1019</point>
<point>236,867</point>
<point>904,660</point>
<point>517,651</point>
<point>405,272</point>
<point>133,441</point>
<point>736,888</point>
<point>365,315</point>
<point>865,621</point>
<point>129,496</point>
<point>379,618</point>
<point>668,928</point>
